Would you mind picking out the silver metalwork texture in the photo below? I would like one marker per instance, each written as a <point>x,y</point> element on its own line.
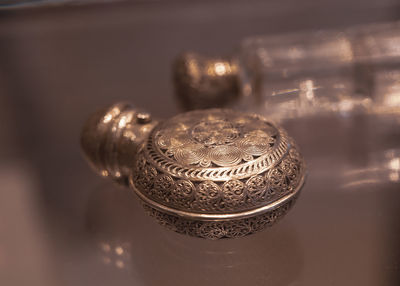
<point>217,229</point>
<point>214,173</point>
<point>202,82</point>
<point>112,136</point>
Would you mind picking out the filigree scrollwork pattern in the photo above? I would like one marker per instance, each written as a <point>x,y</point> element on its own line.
<point>215,145</point>
<point>220,197</point>
<point>216,138</point>
<point>144,176</point>
<point>256,188</point>
<point>207,196</point>
<point>234,193</point>
<point>217,173</point>
<point>182,194</point>
<point>219,229</point>
<point>209,173</point>
<point>163,186</point>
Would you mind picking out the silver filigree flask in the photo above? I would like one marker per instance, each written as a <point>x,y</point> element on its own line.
<point>209,173</point>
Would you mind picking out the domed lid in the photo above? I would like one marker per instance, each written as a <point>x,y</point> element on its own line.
<point>217,164</point>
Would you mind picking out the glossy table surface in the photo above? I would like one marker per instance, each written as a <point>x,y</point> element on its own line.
<point>342,231</point>
<point>60,224</point>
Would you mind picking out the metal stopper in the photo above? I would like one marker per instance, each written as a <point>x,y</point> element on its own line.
<point>112,137</point>
<point>202,82</point>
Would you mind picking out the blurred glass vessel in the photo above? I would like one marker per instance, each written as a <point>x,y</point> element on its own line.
<point>288,76</point>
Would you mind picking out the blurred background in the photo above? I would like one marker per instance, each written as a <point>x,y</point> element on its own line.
<point>60,224</point>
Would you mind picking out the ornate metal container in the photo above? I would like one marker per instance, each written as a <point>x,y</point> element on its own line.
<point>211,173</point>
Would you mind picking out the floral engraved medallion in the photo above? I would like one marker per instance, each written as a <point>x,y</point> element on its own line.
<point>217,139</point>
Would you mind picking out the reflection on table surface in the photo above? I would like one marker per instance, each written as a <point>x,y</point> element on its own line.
<point>171,259</point>
<point>341,231</point>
